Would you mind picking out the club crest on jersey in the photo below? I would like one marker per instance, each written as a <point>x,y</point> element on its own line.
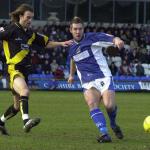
<point>24,46</point>
<point>78,50</point>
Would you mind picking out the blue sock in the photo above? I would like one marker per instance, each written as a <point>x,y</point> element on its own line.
<point>112,117</point>
<point>99,120</point>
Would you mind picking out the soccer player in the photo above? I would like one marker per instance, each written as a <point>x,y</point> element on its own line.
<point>95,76</point>
<point>17,39</point>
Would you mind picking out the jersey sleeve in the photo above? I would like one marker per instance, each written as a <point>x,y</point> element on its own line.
<point>104,40</point>
<point>41,40</point>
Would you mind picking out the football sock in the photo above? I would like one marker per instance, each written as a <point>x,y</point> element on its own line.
<point>2,123</point>
<point>112,117</point>
<point>10,112</point>
<point>24,108</point>
<point>99,120</point>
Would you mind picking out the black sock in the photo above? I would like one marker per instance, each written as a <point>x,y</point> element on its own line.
<point>2,123</point>
<point>24,108</point>
<point>24,104</point>
<point>112,117</point>
<point>10,112</point>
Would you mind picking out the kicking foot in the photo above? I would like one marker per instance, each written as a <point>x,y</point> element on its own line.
<point>30,124</point>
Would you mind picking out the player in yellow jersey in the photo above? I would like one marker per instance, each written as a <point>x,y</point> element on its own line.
<point>17,39</point>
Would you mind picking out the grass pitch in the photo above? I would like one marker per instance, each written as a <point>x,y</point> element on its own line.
<point>66,124</point>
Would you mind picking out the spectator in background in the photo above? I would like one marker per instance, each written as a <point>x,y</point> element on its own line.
<point>114,69</point>
<point>144,55</point>
<point>126,58</point>
<point>35,58</point>
<point>132,69</point>
<point>67,34</point>
<point>133,43</point>
<point>59,74</point>
<point>124,69</point>
<point>39,69</point>
<point>66,72</point>
<point>123,35</point>
<point>139,69</point>
<point>54,55</point>
<point>148,56</point>
<point>54,66</point>
<point>62,60</point>
<point>47,56</point>
<point>47,67</point>
<point>134,55</point>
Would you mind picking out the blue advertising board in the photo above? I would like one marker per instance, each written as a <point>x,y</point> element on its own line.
<point>76,86</point>
<point>47,82</point>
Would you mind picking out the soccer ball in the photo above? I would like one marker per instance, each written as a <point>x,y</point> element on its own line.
<point>146,124</point>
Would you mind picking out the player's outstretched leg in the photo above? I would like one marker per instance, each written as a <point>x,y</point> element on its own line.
<point>30,124</point>
<point>9,113</point>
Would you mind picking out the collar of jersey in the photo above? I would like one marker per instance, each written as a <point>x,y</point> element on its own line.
<point>77,42</point>
<point>19,26</point>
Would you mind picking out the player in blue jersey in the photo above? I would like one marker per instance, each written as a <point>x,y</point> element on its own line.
<point>95,76</point>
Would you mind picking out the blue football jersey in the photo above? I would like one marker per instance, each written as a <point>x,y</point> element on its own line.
<point>87,54</point>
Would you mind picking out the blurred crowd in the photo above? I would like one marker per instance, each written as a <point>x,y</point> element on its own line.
<point>132,60</point>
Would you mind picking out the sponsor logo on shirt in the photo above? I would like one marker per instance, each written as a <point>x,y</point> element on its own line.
<point>24,46</point>
<point>18,39</point>
<point>78,50</point>
<point>81,55</point>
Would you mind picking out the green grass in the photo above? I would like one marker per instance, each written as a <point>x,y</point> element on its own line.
<point>66,124</point>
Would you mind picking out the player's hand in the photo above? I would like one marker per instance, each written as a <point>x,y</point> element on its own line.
<point>118,42</point>
<point>67,43</point>
<point>70,79</point>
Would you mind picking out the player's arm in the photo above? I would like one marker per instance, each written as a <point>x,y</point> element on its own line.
<point>43,41</point>
<point>106,40</point>
<point>114,49</point>
<point>52,44</point>
<point>72,71</point>
<point>111,43</point>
